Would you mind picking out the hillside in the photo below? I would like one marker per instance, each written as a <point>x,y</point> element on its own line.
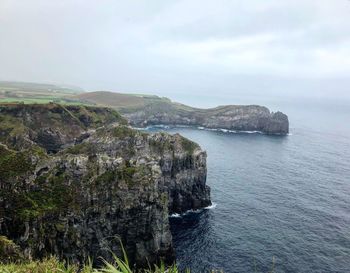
<point>115,100</point>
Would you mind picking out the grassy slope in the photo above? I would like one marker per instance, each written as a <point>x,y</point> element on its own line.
<point>28,93</point>
<point>124,102</point>
<point>13,261</point>
<point>127,103</point>
<point>111,99</point>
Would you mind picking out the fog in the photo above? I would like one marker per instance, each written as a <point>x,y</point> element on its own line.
<point>292,48</point>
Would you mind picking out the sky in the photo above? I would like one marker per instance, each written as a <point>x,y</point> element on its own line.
<point>197,47</point>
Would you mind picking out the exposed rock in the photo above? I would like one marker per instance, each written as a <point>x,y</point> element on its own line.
<point>230,117</point>
<point>103,181</point>
<point>144,110</point>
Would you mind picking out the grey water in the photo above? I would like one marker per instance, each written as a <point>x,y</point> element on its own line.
<point>282,203</point>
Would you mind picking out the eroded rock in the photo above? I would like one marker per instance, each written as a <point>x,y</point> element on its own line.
<point>114,182</point>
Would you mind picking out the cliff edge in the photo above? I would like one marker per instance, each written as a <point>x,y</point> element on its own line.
<point>73,179</point>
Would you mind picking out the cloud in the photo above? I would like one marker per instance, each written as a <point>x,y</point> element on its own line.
<point>160,45</point>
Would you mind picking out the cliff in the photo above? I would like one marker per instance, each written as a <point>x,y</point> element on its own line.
<point>143,110</point>
<point>74,178</point>
<point>231,117</point>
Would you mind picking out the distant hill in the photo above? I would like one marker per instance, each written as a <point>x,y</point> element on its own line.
<point>38,87</point>
<point>28,92</point>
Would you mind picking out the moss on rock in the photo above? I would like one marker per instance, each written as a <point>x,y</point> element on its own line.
<point>188,145</point>
<point>9,251</point>
<point>13,163</point>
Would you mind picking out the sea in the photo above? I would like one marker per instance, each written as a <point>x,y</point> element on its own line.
<point>280,204</point>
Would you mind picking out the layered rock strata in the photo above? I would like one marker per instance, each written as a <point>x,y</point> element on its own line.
<point>74,180</point>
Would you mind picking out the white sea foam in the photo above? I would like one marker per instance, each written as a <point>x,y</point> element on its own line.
<point>140,128</point>
<point>223,130</point>
<point>231,131</point>
<point>177,215</point>
<point>160,126</point>
<point>212,206</point>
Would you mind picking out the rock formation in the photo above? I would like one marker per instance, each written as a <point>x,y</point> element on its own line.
<point>145,110</point>
<point>230,117</point>
<point>74,179</point>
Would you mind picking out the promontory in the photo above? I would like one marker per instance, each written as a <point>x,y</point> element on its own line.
<point>143,111</point>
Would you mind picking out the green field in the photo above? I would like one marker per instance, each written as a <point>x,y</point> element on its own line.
<point>28,93</point>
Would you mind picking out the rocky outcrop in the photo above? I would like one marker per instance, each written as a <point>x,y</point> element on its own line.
<point>75,179</point>
<point>231,117</point>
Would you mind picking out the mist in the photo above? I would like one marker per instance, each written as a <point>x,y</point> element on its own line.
<point>222,48</point>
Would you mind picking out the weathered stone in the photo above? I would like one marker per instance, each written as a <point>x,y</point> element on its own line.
<point>116,182</point>
<point>230,117</point>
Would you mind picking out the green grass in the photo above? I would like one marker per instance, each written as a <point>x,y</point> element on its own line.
<point>188,145</point>
<point>53,265</point>
<point>9,251</point>
<point>80,148</point>
<point>13,163</point>
<point>123,132</point>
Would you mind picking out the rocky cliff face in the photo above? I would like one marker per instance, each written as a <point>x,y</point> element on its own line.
<point>231,117</point>
<point>74,179</point>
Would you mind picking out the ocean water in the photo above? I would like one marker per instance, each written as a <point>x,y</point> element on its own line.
<point>279,202</point>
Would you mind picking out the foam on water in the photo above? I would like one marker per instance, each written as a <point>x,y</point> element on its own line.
<point>177,215</point>
<point>212,206</point>
<point>223,130</point>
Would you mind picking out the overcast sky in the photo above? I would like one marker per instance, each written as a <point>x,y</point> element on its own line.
<point>255,47</point>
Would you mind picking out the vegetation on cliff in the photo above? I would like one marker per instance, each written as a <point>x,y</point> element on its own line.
<point>13,261</point>
<point>53,265</point>
<point>73,176</point>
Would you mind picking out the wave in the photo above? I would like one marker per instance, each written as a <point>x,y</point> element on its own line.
<point>212,206</point>
<point>177,215</point>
